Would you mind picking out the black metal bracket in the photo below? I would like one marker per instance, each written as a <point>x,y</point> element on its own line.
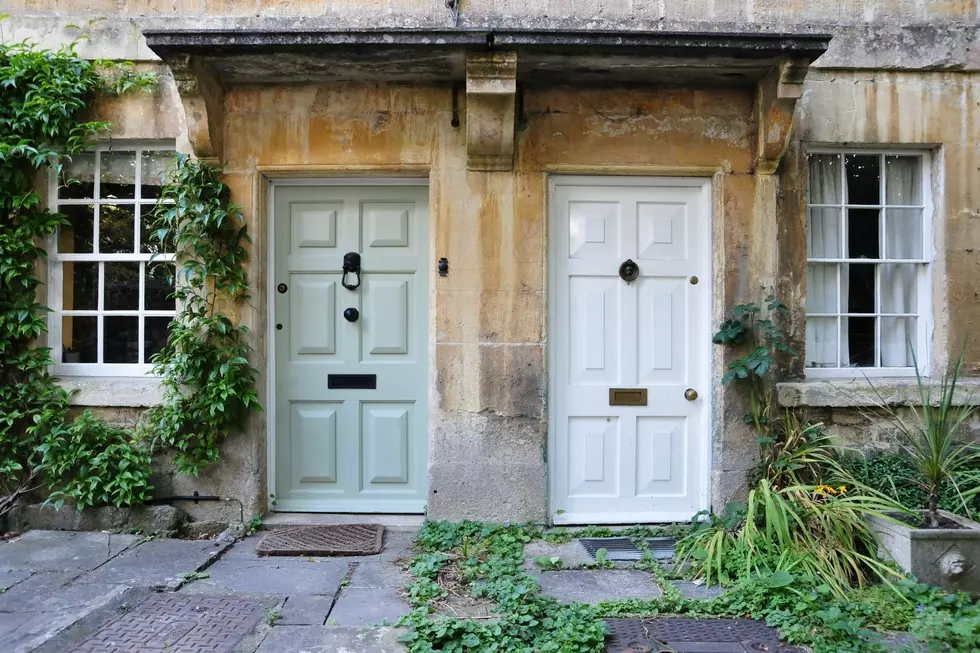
<point>456,91</point>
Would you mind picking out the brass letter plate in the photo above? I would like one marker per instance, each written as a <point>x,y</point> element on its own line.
<point>627,396</point>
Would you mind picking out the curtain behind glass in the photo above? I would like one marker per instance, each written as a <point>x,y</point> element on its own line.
<point>823,339</point>
<point>903,240</point>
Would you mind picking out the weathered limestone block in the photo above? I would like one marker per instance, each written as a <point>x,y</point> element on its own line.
<point>491,89</point>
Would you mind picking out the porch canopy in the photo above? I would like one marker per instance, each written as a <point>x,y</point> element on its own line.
<point>601,58</point>
<point>492,64</point>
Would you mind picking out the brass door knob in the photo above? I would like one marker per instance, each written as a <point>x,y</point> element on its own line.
<point>690,394</point>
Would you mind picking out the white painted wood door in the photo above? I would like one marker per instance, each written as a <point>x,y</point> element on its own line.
<point>612,463</point>
<point>350,449</point>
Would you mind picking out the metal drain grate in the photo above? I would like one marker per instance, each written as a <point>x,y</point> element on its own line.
<point>338,540</point>
<point>178,623</point>
<point>715,635</point>
<point>622,548</point>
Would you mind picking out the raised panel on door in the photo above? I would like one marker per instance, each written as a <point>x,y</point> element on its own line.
<point>662,335</point>
<point>387,433</point>
<point>593,459</point>
<point>594,229</point>
<point>313,225</point>
<point>387,327</point>
<point>313,315</point>
<point>662,230</point>
<point>313,457</point>
<point>594,330</point>
<point>661,456</point>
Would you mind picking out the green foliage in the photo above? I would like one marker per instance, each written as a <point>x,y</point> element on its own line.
<point>209,384</point>
<point>42,95</point>
<point>895,476</point>
<point>932,444</point>
<point>488,560</point>
<point>94,464</point>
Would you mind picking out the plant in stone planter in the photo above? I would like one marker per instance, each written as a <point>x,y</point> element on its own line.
<point>936,546</point>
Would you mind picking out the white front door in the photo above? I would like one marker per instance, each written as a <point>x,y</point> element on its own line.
<point>351,364</point>
<point>628,445</point>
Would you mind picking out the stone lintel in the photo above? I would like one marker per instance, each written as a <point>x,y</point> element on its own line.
<point>491,90</point>
<point>870,393</point>
<point>776,96</point>
<point>203,99</point>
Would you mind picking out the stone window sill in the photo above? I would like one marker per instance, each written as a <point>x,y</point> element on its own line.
<point>112,391</point>
<point>855,393</point>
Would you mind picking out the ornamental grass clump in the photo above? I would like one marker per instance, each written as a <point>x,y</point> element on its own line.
<point>805,513</point>
<point>931,438</point>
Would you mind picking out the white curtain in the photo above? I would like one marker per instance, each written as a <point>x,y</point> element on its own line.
<point>903,240</point>
<point>824,240</point>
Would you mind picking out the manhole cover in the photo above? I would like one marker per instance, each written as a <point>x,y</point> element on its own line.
<point>176,624</point>
<point>623,548</point>
<point>717,635</point>
<point>338,540</point>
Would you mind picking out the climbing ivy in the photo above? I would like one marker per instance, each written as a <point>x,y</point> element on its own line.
<point>209,385</point>
<point>42,95</point>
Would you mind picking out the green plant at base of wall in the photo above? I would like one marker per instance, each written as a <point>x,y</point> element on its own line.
<point>42,93</point>
<point>209,384</point>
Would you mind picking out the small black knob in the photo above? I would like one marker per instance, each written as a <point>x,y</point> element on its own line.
<point>350,314</point>
<point>282,288</point>
<point>278,327</point>
<point>443,267</point>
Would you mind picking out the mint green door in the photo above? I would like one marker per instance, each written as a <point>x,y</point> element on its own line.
<point>351,390</point>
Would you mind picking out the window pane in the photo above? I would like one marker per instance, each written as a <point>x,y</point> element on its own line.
<point>76,238</point>
<point>858,341</point>
<point>821,288</point>
<point>858,288</point>
<point>903,180</point>
<point>823,236</point>
<point>118,175</point>
<point>897,339</point>
<point>863,233</point>
<point>821,342</point>
<point>79,335</point>
<point>78,177</point>
<point>80,286</point>
<point>825,179</point>
<point>148,242</point>
<point>122,286</point>
<point>117,229</point>
<point>898,288</point>
<point>154,336</point>
<point>863,178</point>
<point>120,341</point>
<point>159,286</point>
<point>903,233</point>
<point>154,167</point>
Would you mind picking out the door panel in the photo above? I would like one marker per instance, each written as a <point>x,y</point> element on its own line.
<point>620,463</point>
<point>348,449</point>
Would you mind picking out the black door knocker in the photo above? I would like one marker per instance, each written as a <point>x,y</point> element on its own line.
<point>352,265</point>
<point>629,271</point>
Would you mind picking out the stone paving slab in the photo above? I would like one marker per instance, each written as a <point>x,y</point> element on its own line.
<point>273,576</point>
<point>53,613</point>
<point>305,611</point>
<point>10,577</point>
<point>178,623</point>
<point>23,596</point>
<point>324,639</point>
<point>363,606</point>
<point>159,564</point>
<point>379,574</point>
<point>572,554</point>
<point>63,550</point>
<point>595,586</point>
<point>702,592</point>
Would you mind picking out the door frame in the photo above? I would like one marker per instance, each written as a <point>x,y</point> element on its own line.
<point>278,177</point>
<point>700,178</point>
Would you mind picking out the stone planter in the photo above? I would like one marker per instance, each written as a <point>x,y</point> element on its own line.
<point>945,557</point>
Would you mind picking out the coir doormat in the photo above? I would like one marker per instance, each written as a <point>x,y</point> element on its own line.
<point>336,540</point>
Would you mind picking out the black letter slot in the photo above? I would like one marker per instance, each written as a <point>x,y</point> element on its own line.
<point>352,381</point>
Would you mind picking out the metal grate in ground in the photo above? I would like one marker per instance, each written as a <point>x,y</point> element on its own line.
<point>693,636</point>
<point>335,540</point>
<point>177,624</point>
<point>624,550</point>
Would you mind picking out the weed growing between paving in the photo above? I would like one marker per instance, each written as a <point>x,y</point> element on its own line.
<point>486,561</point>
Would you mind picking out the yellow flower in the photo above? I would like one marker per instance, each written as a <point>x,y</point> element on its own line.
<point>843,489</point>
